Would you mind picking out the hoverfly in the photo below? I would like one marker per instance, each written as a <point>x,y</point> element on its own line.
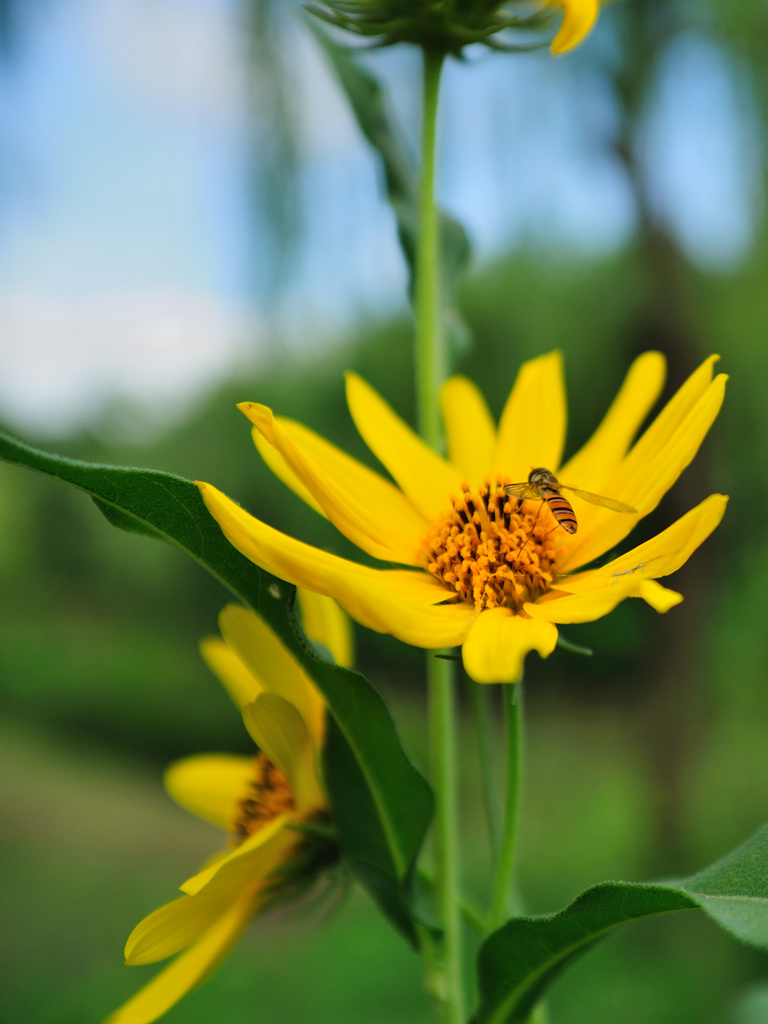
<point>542,485</point>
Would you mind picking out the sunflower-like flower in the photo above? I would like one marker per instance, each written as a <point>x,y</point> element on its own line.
<point>273,806</point>
<point>487,570</point>
<point>450,27</point>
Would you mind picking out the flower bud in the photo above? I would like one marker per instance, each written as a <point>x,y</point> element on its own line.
<point>447,26</point>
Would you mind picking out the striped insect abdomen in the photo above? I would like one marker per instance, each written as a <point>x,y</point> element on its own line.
<point>561,509</point>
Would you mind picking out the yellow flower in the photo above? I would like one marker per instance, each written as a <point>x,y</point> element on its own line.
<point>578,18</point>
<point>264,802</point>
<point>486,571</point>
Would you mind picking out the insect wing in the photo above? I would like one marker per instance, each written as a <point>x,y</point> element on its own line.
<point>523,490</point>
<point>600,499</point>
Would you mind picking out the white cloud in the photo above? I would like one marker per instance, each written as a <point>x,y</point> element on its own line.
<point>64,360</point>
<point>187,54</point>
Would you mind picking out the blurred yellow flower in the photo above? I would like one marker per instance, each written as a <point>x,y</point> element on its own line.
<point>264,803</point>
<point>486,571</point>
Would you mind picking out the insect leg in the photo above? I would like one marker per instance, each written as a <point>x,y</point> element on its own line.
<point>530,532</point>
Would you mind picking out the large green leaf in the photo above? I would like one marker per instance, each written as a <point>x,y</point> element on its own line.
<point>361,836</point>
<point>377,123</point>
<point>519,961</point>
<point>398,801</point>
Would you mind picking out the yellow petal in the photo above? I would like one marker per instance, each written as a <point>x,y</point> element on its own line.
<point>592,467</point>
<point>590,595</point>
<point>578,18</point>
<point>594,604</point>
<point>326,624</point>
<point>279,730</point>
<point>405,603</point>
<point>659,556</point>
<point>187,970</point>
<point>237,679</point>
<point>469,428</point>
<point>648,471</point>
<point>661,599</point>
<point>271,663</point>
<point>250,863</point>
<point>282,470</point>
<point>498,642</point>
<point>210,785</point>
<point>532,425</point>
<point>365,507</point>
<point>173,927</point>
<point>426,479</point>
<point>670,443</point>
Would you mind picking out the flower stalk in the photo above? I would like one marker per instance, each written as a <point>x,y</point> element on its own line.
<point>444,754</point>
<point>430,356</point>
<point>430,366</point>
<point>503,894</point>
<point>481,700</point>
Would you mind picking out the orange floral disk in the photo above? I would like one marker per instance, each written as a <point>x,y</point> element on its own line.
<point>489,552</point>
<point>460,563</point>
<point>268,794</point>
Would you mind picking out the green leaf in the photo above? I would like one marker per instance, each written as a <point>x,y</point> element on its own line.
<point>361,836</point>
<point>519,961</point>
<point>377,123</point>
<point>398,800</point>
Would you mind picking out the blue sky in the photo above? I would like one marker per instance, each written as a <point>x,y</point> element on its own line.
<point>116,184</point>
<point>126,248</point>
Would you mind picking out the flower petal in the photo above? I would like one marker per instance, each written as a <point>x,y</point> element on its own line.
<point>235,676</point>
<point>469,428</point>
<point>282,470</point>
<point>173,927</point>
<point>578,18</point>
<point>661,599</point>
<point>592,467</point>
<point>210,785</point>
<point>532,425</point>
<point>405,603</point>
<point>187,970</point>
<point>279,730</point>
<point>274,667</point>
<point>326,624</point>
<point>365,507</point>
<point>498,642</point>
<point>253,861</point>
<point>649,470</point>
<point>595,604</point>
<point>661,555</point>
<point>426,479</point>
<point>590,595</point>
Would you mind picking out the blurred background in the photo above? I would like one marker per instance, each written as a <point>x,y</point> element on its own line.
<point>189,218</point>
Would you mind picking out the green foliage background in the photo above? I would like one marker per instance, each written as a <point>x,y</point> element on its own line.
<point>647,760</point>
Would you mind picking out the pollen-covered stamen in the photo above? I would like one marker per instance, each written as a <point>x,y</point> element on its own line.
<point>493,550</point>
<point>268,795</point>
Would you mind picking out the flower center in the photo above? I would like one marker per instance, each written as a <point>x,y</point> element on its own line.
<point>492,550</point>
<point>268,795</point>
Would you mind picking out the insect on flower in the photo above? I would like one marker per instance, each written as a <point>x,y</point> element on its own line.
<point>486,569</point>
<point>542,485</point>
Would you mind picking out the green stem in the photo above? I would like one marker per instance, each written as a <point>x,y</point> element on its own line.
<point>504,884</point>
<point>481,699</point>
<point>430,358</point>
<point>444,976</point>
<point>444,760</point>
